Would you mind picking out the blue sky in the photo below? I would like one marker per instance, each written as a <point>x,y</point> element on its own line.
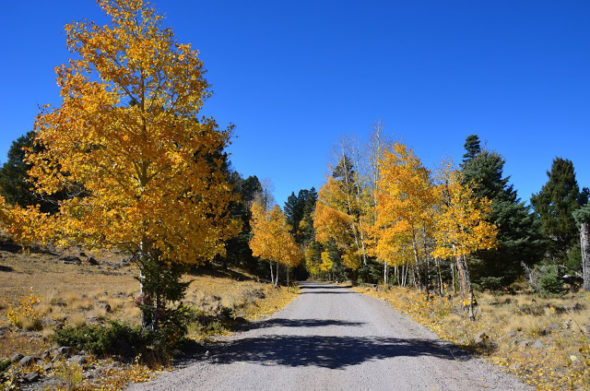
<point>295,76</point>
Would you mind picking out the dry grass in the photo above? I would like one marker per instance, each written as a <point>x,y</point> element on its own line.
<point>515,326</point>
<point>71,294</point>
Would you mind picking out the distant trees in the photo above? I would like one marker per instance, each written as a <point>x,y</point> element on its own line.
<point>237,249</point>
<point>272,239</point>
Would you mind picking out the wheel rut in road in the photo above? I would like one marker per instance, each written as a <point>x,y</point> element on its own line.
<point>331,338</point>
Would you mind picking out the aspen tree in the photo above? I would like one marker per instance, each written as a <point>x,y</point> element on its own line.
<point>128,130</point>
<point>462,228</point>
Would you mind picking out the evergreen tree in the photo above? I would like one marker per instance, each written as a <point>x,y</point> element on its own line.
<point>472,148</point>
<point>299,211</point>
<point>554,205</point>
<point>238,251</point>
<point>14,184</point>
<point>518,237</point>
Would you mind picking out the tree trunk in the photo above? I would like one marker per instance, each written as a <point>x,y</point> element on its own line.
<point>272,278</point>
<point>145,321</point>
<point>385,273</point>
<point>466,288</point>
<point>585,244</point>
<point>143,259</point>
<point>288,275</point>
<point>440,282</point>
<point>277,275</point>
<point>453,277</point>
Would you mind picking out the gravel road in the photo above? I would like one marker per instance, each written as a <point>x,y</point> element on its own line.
<point>331,338</point>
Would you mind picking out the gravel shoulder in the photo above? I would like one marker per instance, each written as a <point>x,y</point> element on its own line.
<point>331,338</point>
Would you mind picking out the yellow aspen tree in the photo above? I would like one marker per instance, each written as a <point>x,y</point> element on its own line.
<point>334,222</point>
<point>271,238</point>
<point>128,130</point>
<point>4,213</point>
<point>405,205</point>
<point>462,227</point>
<point>327,263</point>
<point>313,259</point>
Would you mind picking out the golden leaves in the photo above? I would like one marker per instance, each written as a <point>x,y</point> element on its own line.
<point>127,133</point>
<point>405,206</point>
<point>271,238</point>
<point>462,225</point>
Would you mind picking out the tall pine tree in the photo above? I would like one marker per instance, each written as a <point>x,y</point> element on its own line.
<point>518,237</point>
<point>554,204</point>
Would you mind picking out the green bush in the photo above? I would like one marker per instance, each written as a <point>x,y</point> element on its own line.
<point>550,283</point>
<point>115,338</point>
<point>4,365</point>
<point>492,283</point>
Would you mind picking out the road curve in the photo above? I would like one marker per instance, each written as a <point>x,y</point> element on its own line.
<point>331,338</point>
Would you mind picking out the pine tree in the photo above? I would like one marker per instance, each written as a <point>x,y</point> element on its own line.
<point>473,148</point>
<point>14,181</point>
<point>518,237</point>
<point>554,204</point>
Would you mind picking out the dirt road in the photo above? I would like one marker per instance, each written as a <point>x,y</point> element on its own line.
<point>331,338</point>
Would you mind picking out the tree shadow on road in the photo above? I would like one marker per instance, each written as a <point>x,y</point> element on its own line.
<point>328,293</point>
<point>281,322</point>
<point>327,351</point>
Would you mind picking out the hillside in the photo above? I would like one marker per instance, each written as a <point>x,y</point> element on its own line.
<point>43,289</point>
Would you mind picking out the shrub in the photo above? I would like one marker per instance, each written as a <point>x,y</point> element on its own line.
<point>550,282</point>
<point>115,338</point>
<point>492,283</point>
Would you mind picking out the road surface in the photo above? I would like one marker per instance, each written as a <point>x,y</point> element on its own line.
<point>331,338</point>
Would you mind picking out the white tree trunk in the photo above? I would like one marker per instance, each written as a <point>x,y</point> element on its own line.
<point>585,244</point>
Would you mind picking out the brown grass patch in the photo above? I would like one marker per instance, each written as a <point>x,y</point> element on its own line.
<point>543,341</point>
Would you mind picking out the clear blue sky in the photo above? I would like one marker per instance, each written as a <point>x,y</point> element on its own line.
<point>294,76</point>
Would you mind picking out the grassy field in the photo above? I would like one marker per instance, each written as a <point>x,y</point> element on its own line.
<point>43,289</point>
<point>544,341</point>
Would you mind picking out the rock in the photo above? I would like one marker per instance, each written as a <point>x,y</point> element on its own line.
<point>64,350</point>
<point>70,259</point>
<point>32,377</point>
<point>107,307</point>
<point>538,344</point>
<point>47,367</point>
<point>16,357</point>
<point>511,333</point>
<point>524,344</point>
<point>46,354</point>
<point>78,359</point>
<point>553,326</point>
<point>26,361</point>
<point>91,260</point>
<point>82,254</point>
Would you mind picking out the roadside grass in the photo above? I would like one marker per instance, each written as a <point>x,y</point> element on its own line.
<point>40,293</point>
<point>543,341</point>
